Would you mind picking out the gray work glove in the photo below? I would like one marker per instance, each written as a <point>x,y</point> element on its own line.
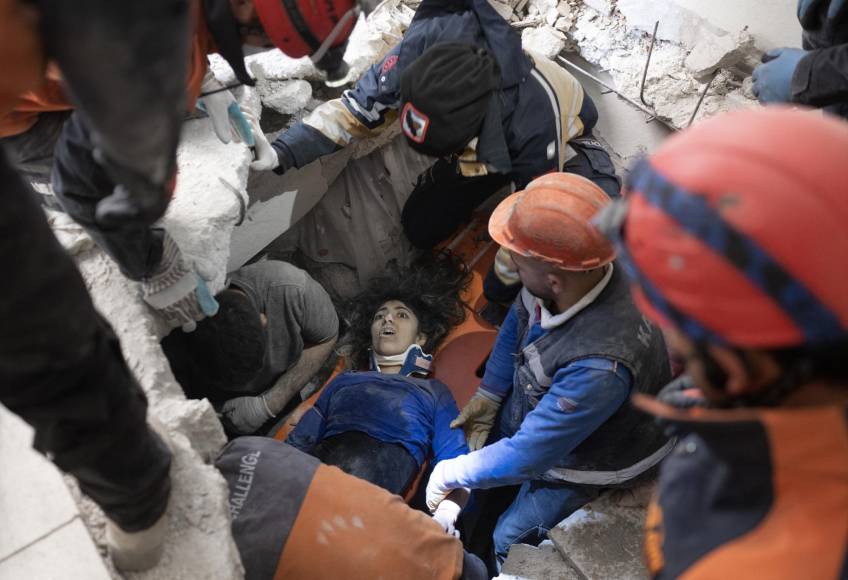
<point>176,291</point>
<point>245,415</point>
<point>477,419</point>
<point>228,120</point>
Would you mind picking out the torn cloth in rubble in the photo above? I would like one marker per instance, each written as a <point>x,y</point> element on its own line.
<point>355,231</point>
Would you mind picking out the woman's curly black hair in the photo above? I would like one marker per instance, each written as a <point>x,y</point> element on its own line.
<point>430,287</point>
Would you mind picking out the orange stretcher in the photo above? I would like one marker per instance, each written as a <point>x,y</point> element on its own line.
<point>460,359</point>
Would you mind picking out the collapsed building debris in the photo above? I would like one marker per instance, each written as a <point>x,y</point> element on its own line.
<point>613,36</point>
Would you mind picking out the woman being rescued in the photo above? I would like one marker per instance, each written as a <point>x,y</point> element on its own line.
<point>382,424</point>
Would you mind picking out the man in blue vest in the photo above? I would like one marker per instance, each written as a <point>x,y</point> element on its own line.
<point>566,429</point>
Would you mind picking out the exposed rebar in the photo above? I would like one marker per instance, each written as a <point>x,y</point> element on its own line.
<point>648,64</point>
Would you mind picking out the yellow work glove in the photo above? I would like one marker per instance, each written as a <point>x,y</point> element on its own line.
<point>477,419</point>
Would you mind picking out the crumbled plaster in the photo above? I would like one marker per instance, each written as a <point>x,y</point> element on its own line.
<point>621,48</point>
<point>543,40</point>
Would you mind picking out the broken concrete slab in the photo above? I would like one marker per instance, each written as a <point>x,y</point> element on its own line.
<point>285,97</point>
<point>373,37</point>
<point>719,52</point>
<point>564,24</point>
<point>678,24</point>
<point>689,22</point>
<point>540,7</point>
<point>544,40</point>
<point>531,563</point>
<point>772,23</point>
<point>603,540</point>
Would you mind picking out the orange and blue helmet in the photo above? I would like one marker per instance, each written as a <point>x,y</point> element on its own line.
<point>735,231</point>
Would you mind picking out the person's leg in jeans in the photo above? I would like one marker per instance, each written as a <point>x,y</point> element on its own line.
<point>442,201</point>
<point>79,183</point>
<point>537,508</point>
<point>62,371</point>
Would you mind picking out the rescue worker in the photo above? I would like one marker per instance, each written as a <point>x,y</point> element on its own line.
<point>61,367</point>
<point>565,428</point>
<point>816,75</point>
<point>331,524</point>
<point>734,234</point>
<point>467,94</point>
<point>43,124</point>
<point>275,328</point>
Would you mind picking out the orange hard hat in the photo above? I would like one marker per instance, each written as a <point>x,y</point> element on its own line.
<point>301,28</point>
<point>736,230</point>
<point>549,221</point>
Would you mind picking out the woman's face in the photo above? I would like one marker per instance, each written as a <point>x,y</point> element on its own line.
<point>394,328</point>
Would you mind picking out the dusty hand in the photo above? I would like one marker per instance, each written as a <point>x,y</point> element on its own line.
<point>245,415</point>
<point>477,419</point>
<point>266,157</point>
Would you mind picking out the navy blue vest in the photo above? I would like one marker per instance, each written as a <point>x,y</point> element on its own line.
<point>629,442</point>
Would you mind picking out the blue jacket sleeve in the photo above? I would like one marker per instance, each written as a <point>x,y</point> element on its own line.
<point>363,111</point>
<point>310,429</point>
<point>582,397</point>
<point>497,380</point>
<point>447,443</point>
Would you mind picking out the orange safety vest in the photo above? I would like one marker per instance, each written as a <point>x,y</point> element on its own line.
<point>751,493</point>
<point>23,58</point>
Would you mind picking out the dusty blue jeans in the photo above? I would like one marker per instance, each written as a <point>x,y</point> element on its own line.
<point>538,506</point>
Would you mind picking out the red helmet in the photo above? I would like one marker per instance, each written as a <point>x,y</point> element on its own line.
<point>306,27</point>
<point>549,221</point>
<point>736,230</point>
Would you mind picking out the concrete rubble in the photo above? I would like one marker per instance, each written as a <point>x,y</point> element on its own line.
<point>611,35</point>
<point>537,563</point>
<point>602,540</point>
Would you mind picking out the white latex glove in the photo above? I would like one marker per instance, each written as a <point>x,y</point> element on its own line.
<point>227,117</point>
<point>437,489</point>
<point>477,419</point>
<point>266,157</point>
<point>246,415</point>
<point>446,514</point>
<point>176,291</point>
